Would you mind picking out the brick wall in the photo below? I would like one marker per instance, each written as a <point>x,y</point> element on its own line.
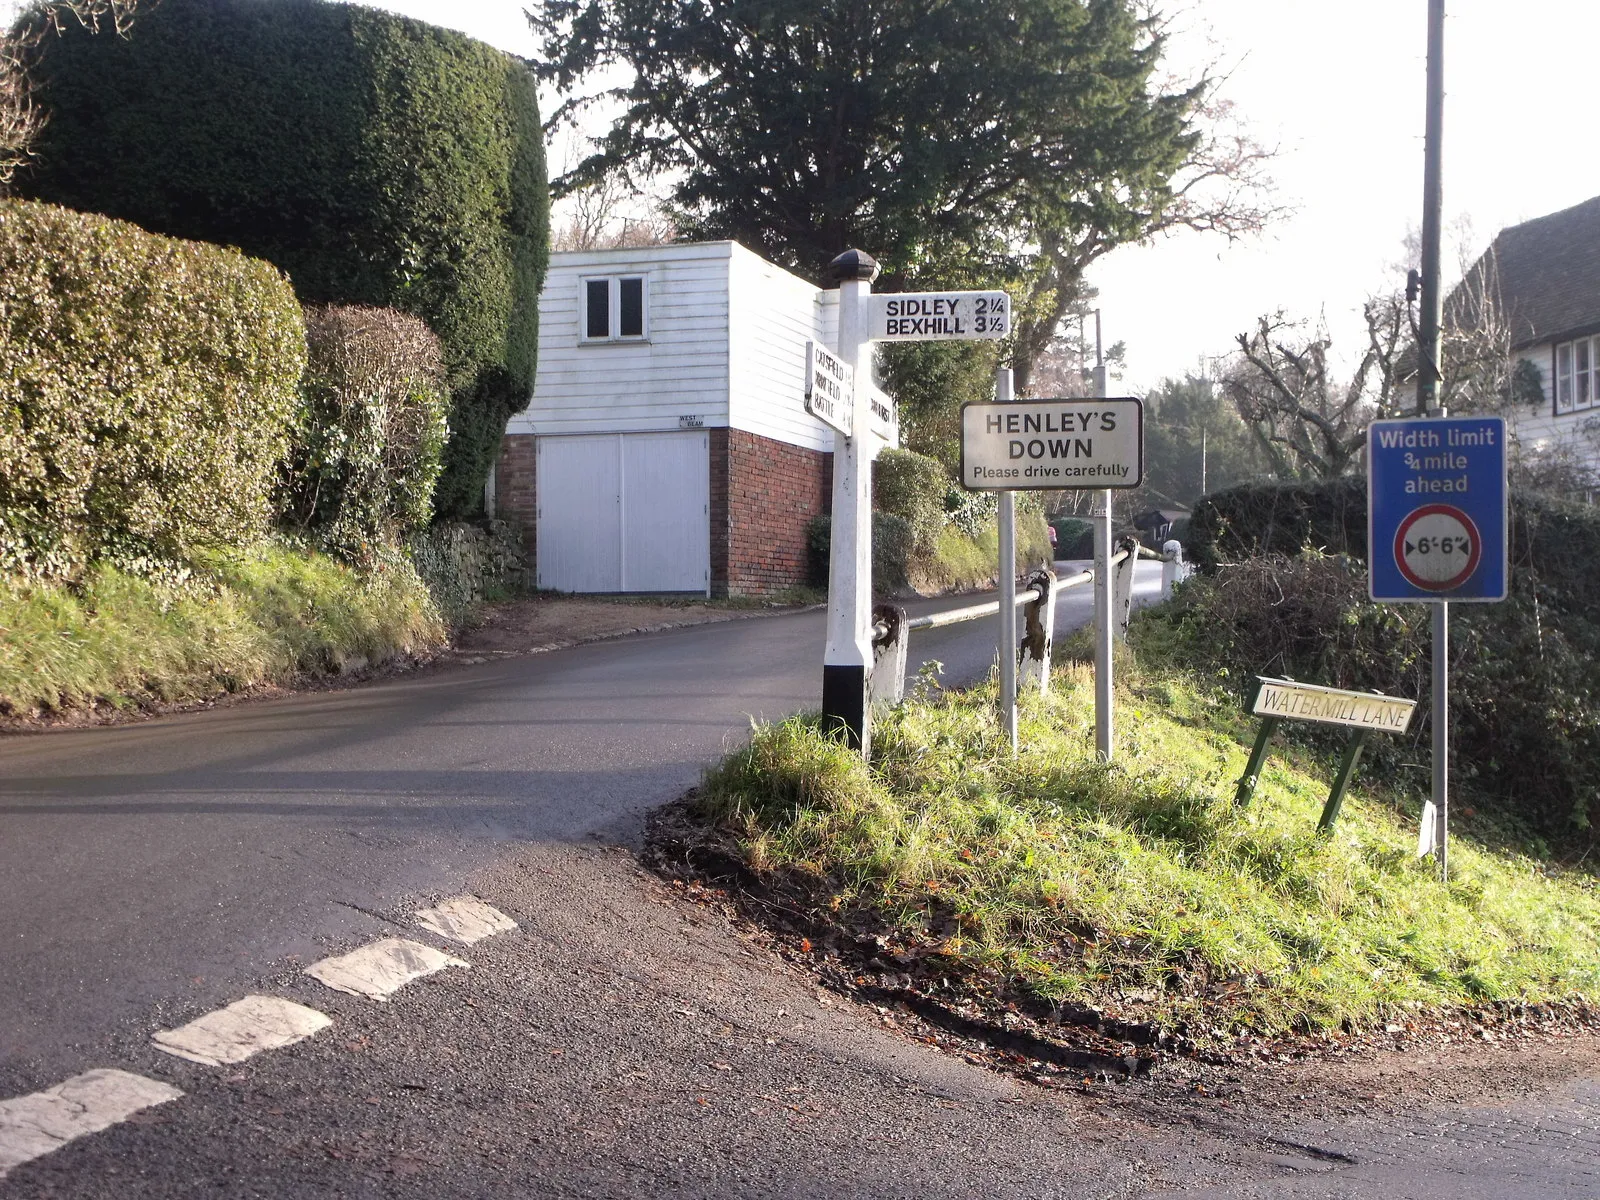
<point>763,495</point>
<point>516,498</point>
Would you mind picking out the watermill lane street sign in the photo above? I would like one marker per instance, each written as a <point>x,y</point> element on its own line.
<point>1049,445</point>
<point>938,316</point>
<point>1436,509</point>
<point>830,388</point>
<point>1284,698</point>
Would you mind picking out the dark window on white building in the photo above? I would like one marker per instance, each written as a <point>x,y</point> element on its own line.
<point>615,309</point>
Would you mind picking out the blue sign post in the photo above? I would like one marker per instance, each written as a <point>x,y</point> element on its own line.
<point>1436,509</point>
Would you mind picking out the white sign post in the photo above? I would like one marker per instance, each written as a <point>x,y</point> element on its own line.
<point>1007,518</point>
<point>839,392</point>
<point>847,658</point>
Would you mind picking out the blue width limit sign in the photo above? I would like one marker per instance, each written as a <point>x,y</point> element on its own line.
<point>1436,509</point>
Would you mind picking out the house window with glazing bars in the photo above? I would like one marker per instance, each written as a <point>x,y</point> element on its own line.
<point>1578,375</point>
<point>614,309</point>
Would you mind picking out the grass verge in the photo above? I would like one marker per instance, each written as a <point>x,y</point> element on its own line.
<point>960,562</point>
<point>1139,889</point>
<point>263,616</point>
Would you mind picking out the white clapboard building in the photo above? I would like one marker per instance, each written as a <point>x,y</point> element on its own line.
<point>666,448</point>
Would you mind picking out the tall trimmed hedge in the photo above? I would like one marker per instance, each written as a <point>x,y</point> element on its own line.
<point>911,486</point>
<point>378,160</point>
<point>147,391</point>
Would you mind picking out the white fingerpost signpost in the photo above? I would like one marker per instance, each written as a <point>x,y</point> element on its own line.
<point>839,392</point>
<point>847,659</point>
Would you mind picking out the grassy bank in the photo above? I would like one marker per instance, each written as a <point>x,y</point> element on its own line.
<point>960,562</point>
<point>1139,888</point>
<point>262,616</point>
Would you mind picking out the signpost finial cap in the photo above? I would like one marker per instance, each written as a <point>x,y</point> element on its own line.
<point>853,264</point>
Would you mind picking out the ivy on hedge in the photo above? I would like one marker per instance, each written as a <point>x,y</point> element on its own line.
<point>367,450</point>
<point>147,391</point>
<point>376,159</point>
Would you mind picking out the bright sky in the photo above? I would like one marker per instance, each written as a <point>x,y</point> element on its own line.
<point>1338,88</point>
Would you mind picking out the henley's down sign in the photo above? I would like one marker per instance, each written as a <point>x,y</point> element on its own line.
<point>1044,445</point>
<point>1436,509</point>
<point>938,316</point>
<point>830,395</point>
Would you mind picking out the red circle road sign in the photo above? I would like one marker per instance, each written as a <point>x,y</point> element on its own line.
<point>1437,547</point>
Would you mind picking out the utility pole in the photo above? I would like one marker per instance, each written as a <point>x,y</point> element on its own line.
<point>1429,404</point>
<point>1102,587</point>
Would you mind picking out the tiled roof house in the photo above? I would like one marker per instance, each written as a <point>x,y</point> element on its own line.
<point>1544,277</point>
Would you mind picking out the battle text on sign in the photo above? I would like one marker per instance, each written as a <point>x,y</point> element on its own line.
<point>938,316</point>
<point>830,394</point>
<point>1043,445</point>
<point>1285,699</point>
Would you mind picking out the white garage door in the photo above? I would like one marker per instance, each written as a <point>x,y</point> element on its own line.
<point>625,512</point>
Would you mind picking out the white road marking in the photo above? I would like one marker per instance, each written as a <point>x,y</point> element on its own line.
<point>31,1126</point>
<point>465,919</point>
<point>243,1028</point>
<point>381,968</point>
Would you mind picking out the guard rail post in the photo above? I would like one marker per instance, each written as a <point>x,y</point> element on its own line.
<point>1122,588</point>
<point>891,635</point>
<point>1039,622</point>
<point>1173,569</point>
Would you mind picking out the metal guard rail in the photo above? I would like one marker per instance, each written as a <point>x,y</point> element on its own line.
<point>1030,595</point>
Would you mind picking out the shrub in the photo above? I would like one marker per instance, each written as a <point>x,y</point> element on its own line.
<point>147,390</point>
<point>373,425</point>
<point>892,542</point>
<point>970,513</point>
<point>911,486</point>
<point>376,159</point>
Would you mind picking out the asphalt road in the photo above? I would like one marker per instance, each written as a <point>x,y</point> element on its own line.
<point>619,1043</point>
<point>175,857</point>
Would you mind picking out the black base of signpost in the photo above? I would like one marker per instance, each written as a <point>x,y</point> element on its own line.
<point>845,706</point>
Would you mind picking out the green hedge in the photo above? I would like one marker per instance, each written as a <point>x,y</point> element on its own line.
<point>912,486</point>
<point>1074,537</point>
<point>892,544</point>
<point>1272,518</point>
<point>378,160</point>
<point>367,453</point>
<point>147,391</point>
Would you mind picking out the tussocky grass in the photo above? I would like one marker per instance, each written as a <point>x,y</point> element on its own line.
<point>265,615</point>
<point>1139,887</point>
